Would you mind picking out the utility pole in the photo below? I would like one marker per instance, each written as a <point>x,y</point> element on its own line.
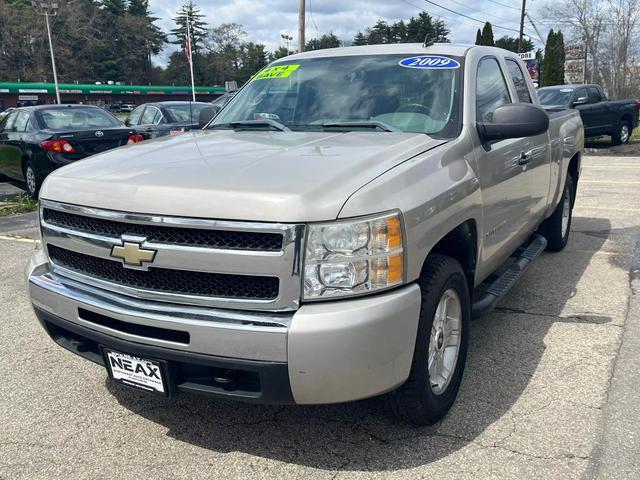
<point>301,25</point>
<point>522,14</point>
<point>49,10</point>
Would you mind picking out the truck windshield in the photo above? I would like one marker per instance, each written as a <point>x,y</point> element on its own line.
<point>555,96</point>
<point>351,93</point>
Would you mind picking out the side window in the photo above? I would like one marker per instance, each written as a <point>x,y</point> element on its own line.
<point>491,89</point>
<point>10,122</point>
<point>21,122</point>
<point>519,81</point>
<point>148,116</point>
<point>594,95</point>
<point>580,96</point>
<point>134,118</point>
<point>157,118</point>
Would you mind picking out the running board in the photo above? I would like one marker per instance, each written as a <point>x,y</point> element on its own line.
<point>501,286</point>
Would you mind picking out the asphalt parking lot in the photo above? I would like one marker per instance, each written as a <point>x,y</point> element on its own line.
<point>550,389</point>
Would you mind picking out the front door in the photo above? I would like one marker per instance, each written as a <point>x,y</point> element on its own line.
<point>508,171</point>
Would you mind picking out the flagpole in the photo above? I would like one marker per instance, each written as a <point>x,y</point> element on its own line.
<point>190,57</point>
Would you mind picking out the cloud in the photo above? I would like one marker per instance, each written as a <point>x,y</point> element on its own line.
<point>265,20</point>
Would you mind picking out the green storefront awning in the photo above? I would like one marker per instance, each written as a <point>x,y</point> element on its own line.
<point>84,89</point>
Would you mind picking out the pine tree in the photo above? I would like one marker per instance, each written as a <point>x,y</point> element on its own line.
<point>553,61</point>
<point>197,25</point>
<point>359,39</point>
<point>115,7</point>
<point>479,37</point>
<point>138,8</point>
<point>424,28</point>
<point>487,35</point>
<point>511,44</point>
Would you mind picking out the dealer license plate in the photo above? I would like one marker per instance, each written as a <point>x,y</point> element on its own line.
<point>136,372</point>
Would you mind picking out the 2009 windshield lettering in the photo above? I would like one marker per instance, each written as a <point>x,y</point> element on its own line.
<point>429,62</point>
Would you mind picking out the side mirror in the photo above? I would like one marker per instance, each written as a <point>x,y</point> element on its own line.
<point>515,120</point>
<point>581,101</point>
<point>206,114</point>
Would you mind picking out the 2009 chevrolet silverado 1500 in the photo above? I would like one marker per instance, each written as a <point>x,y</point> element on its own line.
<point>322,239</point>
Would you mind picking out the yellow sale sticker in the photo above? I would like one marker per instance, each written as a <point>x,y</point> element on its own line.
<point>277,71</point>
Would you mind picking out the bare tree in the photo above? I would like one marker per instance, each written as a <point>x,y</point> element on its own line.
<point>607,29</point>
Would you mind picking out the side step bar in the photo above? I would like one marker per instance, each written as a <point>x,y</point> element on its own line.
<point>501,286</point>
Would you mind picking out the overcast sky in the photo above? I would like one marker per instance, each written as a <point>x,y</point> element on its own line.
<point>265,20</point>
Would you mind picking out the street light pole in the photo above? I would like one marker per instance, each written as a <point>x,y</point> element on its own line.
<point>50,10</point>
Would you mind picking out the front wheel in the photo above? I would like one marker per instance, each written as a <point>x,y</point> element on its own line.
<point>622,134</point>
<point>441,345</point>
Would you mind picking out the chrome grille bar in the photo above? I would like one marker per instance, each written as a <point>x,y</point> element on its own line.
<point>283,264</point>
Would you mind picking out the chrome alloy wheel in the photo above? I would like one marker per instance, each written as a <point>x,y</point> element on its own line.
<point>444,344</point>
<point>624,133</point>
<point>31,180</point>
<point>566,213</point>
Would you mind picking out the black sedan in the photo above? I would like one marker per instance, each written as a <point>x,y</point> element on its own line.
<point>36,140</point>
<point>153,120</point>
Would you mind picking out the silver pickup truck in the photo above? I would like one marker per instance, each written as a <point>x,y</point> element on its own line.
<point>327,237</point>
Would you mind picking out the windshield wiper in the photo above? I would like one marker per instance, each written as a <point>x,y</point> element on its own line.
<point>361,124</point>
<point>265,122</point>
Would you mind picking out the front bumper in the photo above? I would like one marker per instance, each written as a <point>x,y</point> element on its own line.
<point>325,352</point>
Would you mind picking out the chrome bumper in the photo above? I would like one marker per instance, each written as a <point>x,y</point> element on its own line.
<point>335,351</point>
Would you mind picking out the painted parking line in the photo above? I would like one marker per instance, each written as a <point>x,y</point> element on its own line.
<point>611,182</point>
<point>18,239</point>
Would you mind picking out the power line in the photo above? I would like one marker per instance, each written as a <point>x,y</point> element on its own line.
<point>503,5</point>
<point>471,18</point>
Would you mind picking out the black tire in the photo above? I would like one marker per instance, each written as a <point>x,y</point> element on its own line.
<point>621,135</point>
<point>33,186</point>
<point>551,228</point>
<point>415,401</point>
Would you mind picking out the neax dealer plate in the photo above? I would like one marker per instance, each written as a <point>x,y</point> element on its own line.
<point>136,372</point>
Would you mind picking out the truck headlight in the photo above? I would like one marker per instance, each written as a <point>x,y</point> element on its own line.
<point>346,258</point>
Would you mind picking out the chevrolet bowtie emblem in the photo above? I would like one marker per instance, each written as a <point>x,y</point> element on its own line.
<point>133,254</point>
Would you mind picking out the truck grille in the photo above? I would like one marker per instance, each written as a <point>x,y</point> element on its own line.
<point>197,261</point>
<point>222,239</point>
<point>165,280</point>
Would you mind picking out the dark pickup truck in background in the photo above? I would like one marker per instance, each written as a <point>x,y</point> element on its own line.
<point>599,115</point>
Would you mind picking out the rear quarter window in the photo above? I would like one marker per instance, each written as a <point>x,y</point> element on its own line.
<point>522,89</point>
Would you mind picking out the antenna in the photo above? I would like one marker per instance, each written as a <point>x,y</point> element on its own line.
<point>428,42</point>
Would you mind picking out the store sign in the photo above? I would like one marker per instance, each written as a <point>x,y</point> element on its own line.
<point>70,91</point>
<point>32,90</point>
<point>528,55</point>
<point>28,98</point>
<point>4,90</point>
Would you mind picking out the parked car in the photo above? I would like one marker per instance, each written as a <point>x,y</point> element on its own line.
<point>327,238</point>
<point>34,141</point>
<point>599,115</point>
<point>153,120</point>
<point>223,99</point>
<point>126,108</point>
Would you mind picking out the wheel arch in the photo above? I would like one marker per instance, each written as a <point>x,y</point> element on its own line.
<point>460,243</point>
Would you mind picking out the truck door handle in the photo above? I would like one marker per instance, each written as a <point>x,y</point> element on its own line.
<point>524,159</point>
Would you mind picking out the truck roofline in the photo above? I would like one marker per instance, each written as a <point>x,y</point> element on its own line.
<point>458,50</point>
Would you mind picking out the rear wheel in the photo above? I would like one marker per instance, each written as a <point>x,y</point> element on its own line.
<point>622,134</point>
<point>557,227</point>
<point>441,345</point>
<point>31,179</point>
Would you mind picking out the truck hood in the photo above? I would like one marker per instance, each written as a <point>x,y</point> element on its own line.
<point>236,175</point>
